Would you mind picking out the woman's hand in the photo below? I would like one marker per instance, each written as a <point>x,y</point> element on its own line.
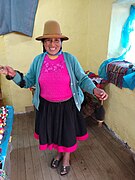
<point>7,70</point>
<point>100,94</point>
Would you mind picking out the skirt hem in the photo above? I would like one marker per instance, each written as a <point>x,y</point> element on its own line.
<point>60,148</point>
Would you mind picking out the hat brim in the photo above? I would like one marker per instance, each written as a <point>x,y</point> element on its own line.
<point>40,38</point>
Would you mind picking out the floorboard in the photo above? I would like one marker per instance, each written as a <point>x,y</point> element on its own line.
<point>101,157</point>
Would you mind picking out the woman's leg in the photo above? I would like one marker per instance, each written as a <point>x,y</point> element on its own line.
<point>65,168</point>
<point>59,155</point>
<point>66,159</point>
<point>56,161</point>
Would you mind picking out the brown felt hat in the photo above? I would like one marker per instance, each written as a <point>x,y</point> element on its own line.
<point>52,30</point>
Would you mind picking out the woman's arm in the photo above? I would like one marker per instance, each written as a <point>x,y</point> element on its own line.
<point>87,84</point>
<point>23,81</point>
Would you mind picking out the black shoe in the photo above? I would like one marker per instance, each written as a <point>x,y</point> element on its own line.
<point>64,170</point>
<point>55,163</point>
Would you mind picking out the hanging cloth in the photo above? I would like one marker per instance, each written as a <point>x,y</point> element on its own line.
<point>17,16</point>
<point>128,27</point>
<point>116,71</point>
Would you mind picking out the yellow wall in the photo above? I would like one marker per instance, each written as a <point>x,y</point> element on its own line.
<point>120,113</point>
<point>87,24</point>
<point>99,14</point>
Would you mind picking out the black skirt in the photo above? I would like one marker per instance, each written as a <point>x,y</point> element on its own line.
<point>59,125</point>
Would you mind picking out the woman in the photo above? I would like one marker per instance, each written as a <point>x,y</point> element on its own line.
<point>59,80</point>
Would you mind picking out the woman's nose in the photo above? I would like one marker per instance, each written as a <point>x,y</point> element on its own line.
<point>52,43</point>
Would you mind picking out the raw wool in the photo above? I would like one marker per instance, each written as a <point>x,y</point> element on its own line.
<point>100,112</point>
<point>89,105</point>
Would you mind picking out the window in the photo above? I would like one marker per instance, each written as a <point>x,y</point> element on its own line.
<point>119,68</point>
<point>128,36</point>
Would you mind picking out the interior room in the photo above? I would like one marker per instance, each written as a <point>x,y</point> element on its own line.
<point>94,28</point>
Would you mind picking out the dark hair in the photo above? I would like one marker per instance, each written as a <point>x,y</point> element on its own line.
<point>44,50</point>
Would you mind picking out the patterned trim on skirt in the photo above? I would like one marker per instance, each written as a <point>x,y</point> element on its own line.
<point>59,125</point>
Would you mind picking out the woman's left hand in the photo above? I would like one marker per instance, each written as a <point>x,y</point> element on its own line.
<point>100,94</point>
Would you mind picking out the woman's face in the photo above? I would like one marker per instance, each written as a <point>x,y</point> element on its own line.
<point>52,45</point>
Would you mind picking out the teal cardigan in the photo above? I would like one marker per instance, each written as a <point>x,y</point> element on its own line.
<point>79,80</point>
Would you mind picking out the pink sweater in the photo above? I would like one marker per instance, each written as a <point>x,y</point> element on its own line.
<point>54,80</point>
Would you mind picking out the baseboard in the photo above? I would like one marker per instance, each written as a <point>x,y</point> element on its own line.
<point>29,108</point>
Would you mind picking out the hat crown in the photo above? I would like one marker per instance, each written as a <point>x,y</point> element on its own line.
<point>52,28</point>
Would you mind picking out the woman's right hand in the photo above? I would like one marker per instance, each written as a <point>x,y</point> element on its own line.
<point>7,70</point>
<point>100,94</point>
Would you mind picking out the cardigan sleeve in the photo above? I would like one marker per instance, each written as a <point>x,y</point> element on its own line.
<point>29,78</point>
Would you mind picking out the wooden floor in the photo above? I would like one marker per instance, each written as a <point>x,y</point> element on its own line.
<point>101,157</point>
